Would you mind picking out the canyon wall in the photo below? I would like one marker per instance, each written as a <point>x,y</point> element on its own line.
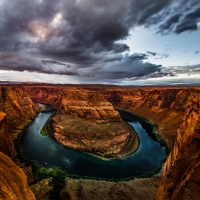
<point>6,143</point>
<point>44,94</point>
<point>176,111</point>
<point>13,181</point>
<point>18,107</point>
<point>181,175</point>
<point>161,105</point>
<point>16,110</point>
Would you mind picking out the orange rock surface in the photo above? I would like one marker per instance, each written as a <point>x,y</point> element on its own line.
<point>176,111</point>
<point>161,105</point>
<point>87,121</point>
<point>16,109</point>
<point>181,175</point>
<point>6,143</point>
<point>13,181</point>
<point>44,94</point>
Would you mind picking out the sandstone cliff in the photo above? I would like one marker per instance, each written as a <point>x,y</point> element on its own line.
<point>161,105</point>
<point>13,181</point>
<point>87,121</point>
<point>44,94</point>
<point>6,144</point>
<point>18,107</point>
<point>181,175</point>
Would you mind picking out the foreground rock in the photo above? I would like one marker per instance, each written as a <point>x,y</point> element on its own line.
<point>86,121</point>
<point>181,175</point>
<point>137,189</point>
<point>13,181</point>
<point>16,111</point>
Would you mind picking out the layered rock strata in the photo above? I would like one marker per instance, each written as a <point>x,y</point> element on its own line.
<point>161,105</point>
<point>18,107</point>
<point>6,143</point>
<point>13,181</point>
<point>87,122</point>
<point>16,110</point>
<point>45,94</point>
<point>181,175</point>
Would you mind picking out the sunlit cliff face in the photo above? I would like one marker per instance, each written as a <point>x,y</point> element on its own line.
<point>43,31</point>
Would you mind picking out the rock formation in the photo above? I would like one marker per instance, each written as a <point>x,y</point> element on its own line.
<point>16,110</point>
<point>6,143</point>
<point>161,105</point>
<point>13,181</point>
<point>18,107</point>
<point>181,175</point>
<point>175,110</point>
<point>87,122</point>
<point>44,94</point>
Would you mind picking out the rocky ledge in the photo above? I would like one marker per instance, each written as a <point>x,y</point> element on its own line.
<point>13,181</point>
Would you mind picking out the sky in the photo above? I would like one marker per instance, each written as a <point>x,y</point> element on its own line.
<point>129,42</point>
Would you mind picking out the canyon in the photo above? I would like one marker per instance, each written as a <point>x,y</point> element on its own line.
<point>16,111</point>
<point>174,109</point>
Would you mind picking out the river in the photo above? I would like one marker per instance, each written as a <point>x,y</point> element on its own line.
<point>48,153</point>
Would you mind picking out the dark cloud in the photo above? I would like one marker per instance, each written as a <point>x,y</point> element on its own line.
<point>167,26</point>
<point>15,62</point>
<point>189,26</point>
<point>196,52</point>
<point>137,57</point>
<point>130,66</point>
<point>152,53</point>
<point>88,34</point>
<point>165,55</point>
<point>189,22</point>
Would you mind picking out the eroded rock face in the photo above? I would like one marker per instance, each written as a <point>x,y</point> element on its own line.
<point>181,175</point>
<point>87,121</point>
<point>18,107</point>
<point>45,94</point>
<point>16,110</point>
<point>163,106</point>
<point>88,105</point>
<point>13,181</point>
<point>6,143</point>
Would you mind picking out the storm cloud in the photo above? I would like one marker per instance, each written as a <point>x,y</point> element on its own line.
<point>85,37</point>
